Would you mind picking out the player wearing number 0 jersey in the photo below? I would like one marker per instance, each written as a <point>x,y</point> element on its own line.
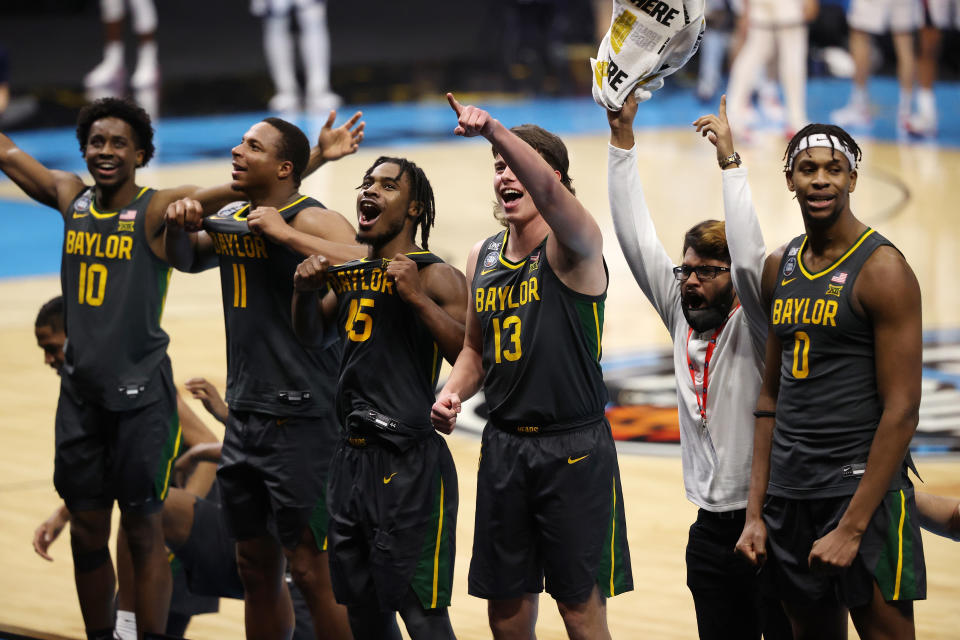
<point>830,501</point>
<point>393,487</point>
<point>281,429</point>
<point>549,503</point>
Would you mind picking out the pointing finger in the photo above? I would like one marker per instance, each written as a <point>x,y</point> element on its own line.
<point>456,106</point>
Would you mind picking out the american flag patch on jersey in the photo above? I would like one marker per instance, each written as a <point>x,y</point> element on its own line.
<point>128,214</point>
<point>839,278</point>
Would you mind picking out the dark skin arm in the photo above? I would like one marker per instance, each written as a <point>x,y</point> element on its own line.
<point>438,295</point>
<point>313,312</point>
<point>889,295</point>
<point>53,188</point>
<point>753,540</point>
<point>313,231</point>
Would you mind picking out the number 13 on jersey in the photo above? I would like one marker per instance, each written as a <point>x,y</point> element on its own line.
<point>507,346</point>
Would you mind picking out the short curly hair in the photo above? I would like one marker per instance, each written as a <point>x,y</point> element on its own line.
<point>125,110</point>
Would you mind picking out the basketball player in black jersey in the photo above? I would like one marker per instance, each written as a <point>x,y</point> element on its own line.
<point>116,419</point>
<point>393,486</point>
<point>831,508</point>
<point>549,502</point>
<point>281,429</point>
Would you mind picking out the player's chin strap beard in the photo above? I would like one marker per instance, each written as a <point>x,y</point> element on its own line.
<point>710,316</point>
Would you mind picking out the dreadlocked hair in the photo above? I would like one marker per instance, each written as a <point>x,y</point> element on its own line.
<point>124,110</point>
<point>828,129</point>
<point>420,192</point>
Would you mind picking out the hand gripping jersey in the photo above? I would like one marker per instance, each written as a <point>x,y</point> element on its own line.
<point>114,288</point>
<point>390,359</point>
<point>828,408</point>
<point>268,369</point>
<point>541,343</point>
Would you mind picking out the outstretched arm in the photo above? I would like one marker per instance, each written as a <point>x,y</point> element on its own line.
<point>185,247</point>
<point>438,295</point>
<point>889,293</point>
<point>572,225</point>
<point>313,231</point>
<point>744,237</point>
<point>47,186</point>
<point>648,260</point>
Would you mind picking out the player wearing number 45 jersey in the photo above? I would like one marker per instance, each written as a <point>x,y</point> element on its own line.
<point>280,430</point>
<point>393,486</point>
<point>549,502</point>
<point>829,496</point>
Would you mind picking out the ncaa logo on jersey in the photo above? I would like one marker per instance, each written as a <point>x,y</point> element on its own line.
<point>789,267</point>
<point>83,203</point>
<point>230,209</point>
<point>490,260</point>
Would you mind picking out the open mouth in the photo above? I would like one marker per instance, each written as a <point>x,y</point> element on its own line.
<point>237,171</point>
<point>820,201</point>
<point>693,301</point>
<point>509,196</point>
<point>367,213</point>
<point>107,168</point>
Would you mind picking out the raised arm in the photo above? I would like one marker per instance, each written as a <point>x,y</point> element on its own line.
<point>574,229</point>
<point>438,294</point>
<point>314,231</point>
<point>648,260</point>
<point>467,374</point>
<point>753,540</point>
<point>744,237</point>
<point>333,144</point>
<point>47,186</point>
<point>889,294</point>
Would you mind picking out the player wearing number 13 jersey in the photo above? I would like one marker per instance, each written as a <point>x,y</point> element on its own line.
<point>549,503</point>
<point>830,499</point>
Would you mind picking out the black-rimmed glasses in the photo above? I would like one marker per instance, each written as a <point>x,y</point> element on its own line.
<point>704,272</point>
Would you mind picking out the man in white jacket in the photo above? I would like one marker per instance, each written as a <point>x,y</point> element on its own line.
<point>713,311</point>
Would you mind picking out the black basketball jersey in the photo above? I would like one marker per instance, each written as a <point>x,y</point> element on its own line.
<point>390,358</point>
<point>541,342</point>
<point>828,408</point>
<point>268,369</point>
<point>114,288</point>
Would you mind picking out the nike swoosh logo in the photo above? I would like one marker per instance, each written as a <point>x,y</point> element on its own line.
<point>785,282</point>
<point>282,421</point>
<point>387,480</point>
<point>486,271</point>
<point>572,460</point>
<point>80,215</point>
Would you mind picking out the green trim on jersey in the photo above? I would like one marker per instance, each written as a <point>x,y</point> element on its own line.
<point>613,573</point>
<point>171,450</point>
<point>836,264</point>
<point>320,520</point>
<point>164,275</point>
<point>433,575</point>
<point>591,322</point>
<point>895,572</point>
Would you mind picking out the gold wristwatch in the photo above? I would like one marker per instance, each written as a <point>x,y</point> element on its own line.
<point>733,158</point>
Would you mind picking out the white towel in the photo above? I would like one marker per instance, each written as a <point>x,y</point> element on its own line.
<point>647,41</point>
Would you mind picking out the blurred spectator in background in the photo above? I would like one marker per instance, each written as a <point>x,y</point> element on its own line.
<point>314,54</point>
<point>109,77</point>
<point>716,39</point>
<point>773,27</point>
<point>875,17</point>
<point>939,15</point>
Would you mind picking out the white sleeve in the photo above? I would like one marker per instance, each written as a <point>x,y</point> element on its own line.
<point>648,260</point>
<point>747,251</point>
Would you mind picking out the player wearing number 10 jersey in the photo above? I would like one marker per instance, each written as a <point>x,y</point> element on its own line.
<point>549,503</point>
<point>117,427</point>
<point>829,495</point>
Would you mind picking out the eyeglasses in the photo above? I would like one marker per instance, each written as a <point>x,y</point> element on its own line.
<point>704,272</point>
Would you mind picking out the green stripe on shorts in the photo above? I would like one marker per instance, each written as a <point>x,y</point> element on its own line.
<point>612,577</point>
<point>896,570</point>
<point>433,576</point>
<point>320,520</point>
<point>171,449</point>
